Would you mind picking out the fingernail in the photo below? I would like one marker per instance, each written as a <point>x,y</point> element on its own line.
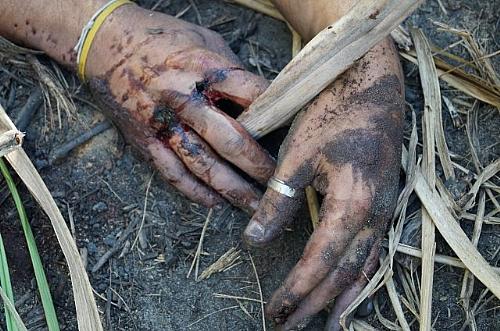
<point>254,232</point>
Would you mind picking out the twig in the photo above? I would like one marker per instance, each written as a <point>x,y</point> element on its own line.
<point>107,309</point>
<point>228,296</point>
<point>196,260</point>
<point>197,12</point>
<point>182,12</point>
<point>260,293</point>
<point>116,246</point>
<point>488,172</point>
<point>442,7</point>
<point>29,109</point>
<point>227,260</point>
<point>158,4</point>
<point>64,150</point>
<point>212,313</point>
<point>143,210</point>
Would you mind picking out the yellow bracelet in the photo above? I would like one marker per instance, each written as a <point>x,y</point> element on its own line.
<point>89,32</point>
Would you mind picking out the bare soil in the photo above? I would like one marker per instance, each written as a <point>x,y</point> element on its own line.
<point>101,187</point>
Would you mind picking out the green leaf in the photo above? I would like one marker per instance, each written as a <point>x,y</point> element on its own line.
<point>41,279</point>
<point>6,285</point>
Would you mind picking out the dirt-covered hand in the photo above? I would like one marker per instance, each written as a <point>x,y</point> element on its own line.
<point>347,145</point>
<point>166,83</point>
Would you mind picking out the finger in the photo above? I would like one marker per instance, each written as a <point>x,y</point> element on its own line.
<point>350,294</point>
<point>223,78</point>
<point>228,138</point>
<point>211,169</point>
<point>349,268</point>
<point>276,210</point>
<point>174,171</point>
<point>343,215</point>
<point>237,85</point>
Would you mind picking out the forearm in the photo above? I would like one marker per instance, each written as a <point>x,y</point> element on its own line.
<point>309,17</point>
<point>52,26</point>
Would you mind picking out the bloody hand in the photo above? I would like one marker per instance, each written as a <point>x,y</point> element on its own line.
<point>163,82</point>
<point>347,145</point>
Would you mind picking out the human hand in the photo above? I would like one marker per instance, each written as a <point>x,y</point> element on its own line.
<point>347,145</point>
<point>166,84</point>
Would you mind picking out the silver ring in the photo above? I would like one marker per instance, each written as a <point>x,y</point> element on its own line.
<point>279,186</point>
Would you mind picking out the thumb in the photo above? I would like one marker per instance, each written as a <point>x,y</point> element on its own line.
<point>274,213</point>
<point>276,210</point>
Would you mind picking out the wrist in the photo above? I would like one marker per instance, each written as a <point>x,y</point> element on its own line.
<point>309,17</point>
<point>50,26</point>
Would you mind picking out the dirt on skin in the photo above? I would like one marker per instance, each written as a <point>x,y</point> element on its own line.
<point>101,189</point>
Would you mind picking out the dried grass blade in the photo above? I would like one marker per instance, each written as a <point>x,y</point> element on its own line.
<point>454,235</point>
<point>223,263</point>
<point>86,308</point>
<point>483,63</point>
<point>396,304</point>
<point>462,81</point>
<point>432,99</point>
<point>468,280</point>
<point>488,172</point>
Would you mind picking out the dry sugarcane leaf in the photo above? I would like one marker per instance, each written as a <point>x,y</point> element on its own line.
<point>320,62</point>
<point>86,308</point>
<point>432,100</point>
<point>488,172</point>
<point>482,63</point>
<point>454,235</point>
<point>432,96</point>
<point>462,81</point>
<point>468,280</point>
<point>396,304</point>
<point>438,258</point>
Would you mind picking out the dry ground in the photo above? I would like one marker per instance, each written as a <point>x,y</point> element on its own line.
<point>103,186</point>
